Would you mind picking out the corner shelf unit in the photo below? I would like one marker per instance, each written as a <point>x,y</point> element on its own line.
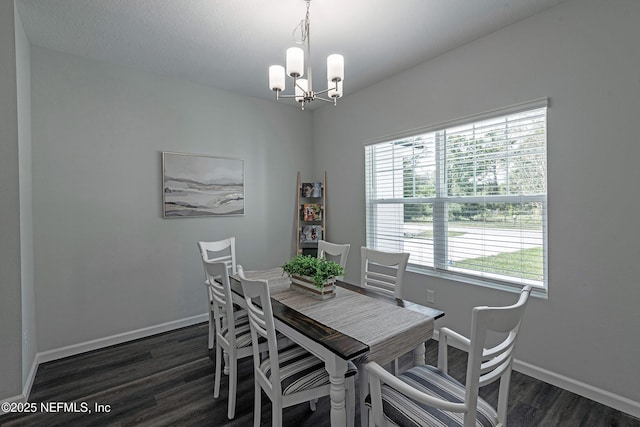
<point>311,215</point>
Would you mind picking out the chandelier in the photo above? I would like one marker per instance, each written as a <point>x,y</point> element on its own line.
<point>303,87</point>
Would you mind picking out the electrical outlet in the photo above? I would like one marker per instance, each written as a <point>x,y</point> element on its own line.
<point>431,296</point>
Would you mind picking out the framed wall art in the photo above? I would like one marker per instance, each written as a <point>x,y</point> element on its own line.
<point>195,185</point>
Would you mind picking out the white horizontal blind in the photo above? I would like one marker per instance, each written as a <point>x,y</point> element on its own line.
<point>468,199</point>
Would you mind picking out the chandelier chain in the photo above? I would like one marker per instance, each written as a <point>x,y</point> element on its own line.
<point>302,27</point>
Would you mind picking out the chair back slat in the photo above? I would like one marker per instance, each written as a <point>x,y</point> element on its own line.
<point>256,317</point>
<point>498,370</point>
<point>496,360</point>
<point>380,280</point>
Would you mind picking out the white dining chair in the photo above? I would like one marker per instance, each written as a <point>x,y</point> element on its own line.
<point>383,271</point>
<point>220,250</point>
<point>232,337</point>
<point>291,375</point>
<point>336,251</point>
<point>426,395</point>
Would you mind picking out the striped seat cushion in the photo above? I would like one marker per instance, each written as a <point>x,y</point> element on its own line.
<point>406,412</point>
<point>300,370</point>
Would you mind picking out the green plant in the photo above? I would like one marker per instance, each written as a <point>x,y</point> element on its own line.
<point>319,269</point>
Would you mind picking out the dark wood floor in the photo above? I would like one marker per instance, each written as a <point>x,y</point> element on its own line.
<point>167,380</point>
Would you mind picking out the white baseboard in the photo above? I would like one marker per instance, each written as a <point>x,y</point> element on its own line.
<point>26,390</point>
<point>599,395</point>
<point>72,350</point>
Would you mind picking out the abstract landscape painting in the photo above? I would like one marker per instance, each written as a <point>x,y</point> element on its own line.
<point>194,185</point>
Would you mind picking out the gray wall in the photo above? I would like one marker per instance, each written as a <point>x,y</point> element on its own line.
<point>10,264</point>
<point>17,295</point>
<point>23,79</point>
<point>106,261</point>
<point>583,55</point>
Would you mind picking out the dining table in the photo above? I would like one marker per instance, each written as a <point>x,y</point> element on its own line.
<point>358,324</point>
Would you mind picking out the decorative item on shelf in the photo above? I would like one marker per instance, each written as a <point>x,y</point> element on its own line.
<point>313,276</point>
<point>311,212</point>
<point>311,234</point>
<point>311,189</point>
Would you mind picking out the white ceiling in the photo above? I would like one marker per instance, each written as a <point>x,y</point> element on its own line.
<point>230,43</point>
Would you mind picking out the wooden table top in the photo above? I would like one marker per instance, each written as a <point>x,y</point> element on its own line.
<point>340,343</point>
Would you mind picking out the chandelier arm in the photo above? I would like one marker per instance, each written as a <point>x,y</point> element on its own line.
<point>324,91</point>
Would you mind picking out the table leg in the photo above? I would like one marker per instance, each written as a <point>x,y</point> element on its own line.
<point>364,391</point>
<point>419,355</point>
<point>337,368</point>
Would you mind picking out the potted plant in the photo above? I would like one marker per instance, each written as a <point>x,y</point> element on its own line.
<point>312,275</point>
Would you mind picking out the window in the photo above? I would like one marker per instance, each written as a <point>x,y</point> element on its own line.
<point>467,199</point>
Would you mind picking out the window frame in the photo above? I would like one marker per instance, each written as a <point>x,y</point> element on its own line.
<point>441,199</point>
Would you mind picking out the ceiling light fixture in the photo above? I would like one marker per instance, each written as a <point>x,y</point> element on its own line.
<point>303,88</point>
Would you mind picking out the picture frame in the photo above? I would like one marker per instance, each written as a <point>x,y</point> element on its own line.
<point>196,185</point>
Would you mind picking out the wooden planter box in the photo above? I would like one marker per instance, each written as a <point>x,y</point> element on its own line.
<point>305,285</point>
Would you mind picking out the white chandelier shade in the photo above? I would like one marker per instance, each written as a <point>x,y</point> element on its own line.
<point>295,67</point>
<point>276,77</point>
<point>295,62</point>
<point>335,68</point>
